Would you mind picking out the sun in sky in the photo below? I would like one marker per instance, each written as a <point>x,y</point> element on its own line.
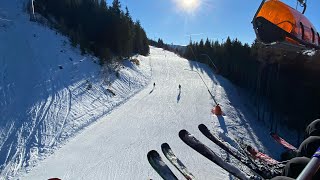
<point>188,6</point>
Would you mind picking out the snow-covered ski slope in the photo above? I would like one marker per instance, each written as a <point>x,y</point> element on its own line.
<point>50,96</point>
<point>116,146</point>
<point>48,91</point>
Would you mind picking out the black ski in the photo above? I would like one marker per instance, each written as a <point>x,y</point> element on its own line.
<point>158,165</point>
<point>167,151</point>
<point>274,168</point>
<point>236,154</point>
<point>195,144</point>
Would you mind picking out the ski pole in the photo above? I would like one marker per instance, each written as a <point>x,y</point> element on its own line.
<point>311,168</point>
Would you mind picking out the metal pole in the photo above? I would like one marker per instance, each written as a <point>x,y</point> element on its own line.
<point>311,168</point>
<point>195,58</point>
<point>191,43</point>
<point>210,61</point>
<point>255,15</point>
<point>32,7</point>
<point>192,49</point>
<point>204,84</point>
<point>304,4</point>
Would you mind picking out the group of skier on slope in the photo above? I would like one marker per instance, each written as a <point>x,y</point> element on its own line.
<point>154,85</point>
<point>303,155</point>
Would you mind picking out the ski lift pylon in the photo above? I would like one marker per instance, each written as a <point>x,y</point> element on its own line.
<point>277,23</point>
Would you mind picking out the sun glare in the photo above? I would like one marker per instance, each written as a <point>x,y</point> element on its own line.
<point>188,6</point>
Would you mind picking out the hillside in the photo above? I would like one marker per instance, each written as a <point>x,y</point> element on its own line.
<point>116,146</point>
<point>48,91</point>
<point>63,115</point>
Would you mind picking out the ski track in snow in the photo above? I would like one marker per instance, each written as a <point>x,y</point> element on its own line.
<point>115,147</point>
<point>41,105</point>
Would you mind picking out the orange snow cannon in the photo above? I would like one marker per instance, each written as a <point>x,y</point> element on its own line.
<point>217,110</point>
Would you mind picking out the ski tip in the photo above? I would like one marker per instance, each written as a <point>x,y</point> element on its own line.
<point>152,156</point>
<point>165,146</point>
<point>183,133</point>
<point>202,126</point>
<point>152,153</point>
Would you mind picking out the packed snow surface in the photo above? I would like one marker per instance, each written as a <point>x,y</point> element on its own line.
<point>116,146</point>
<point>59,117</point>
<point>49,92</point>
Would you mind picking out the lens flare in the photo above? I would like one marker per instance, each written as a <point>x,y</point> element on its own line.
<point>188,6</point>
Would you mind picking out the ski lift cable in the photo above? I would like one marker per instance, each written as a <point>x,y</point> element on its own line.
<point>212,96</point>
<point>303,3</point>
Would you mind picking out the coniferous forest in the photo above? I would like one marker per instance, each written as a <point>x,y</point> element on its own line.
<point>283,86</point>
<point>101,29</point>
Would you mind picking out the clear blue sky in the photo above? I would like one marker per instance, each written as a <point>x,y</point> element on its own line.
<point>215,19</point>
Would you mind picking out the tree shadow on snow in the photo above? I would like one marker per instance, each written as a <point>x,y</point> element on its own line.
<point>194,65</point>
<point>256,131</point>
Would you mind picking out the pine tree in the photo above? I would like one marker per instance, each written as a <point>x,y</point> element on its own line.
<point>207,44</point>
<point>103,4</point>
<point>88,23</point>
<point>116,7</point>
<point>160,43</point>
<point>127,14</point>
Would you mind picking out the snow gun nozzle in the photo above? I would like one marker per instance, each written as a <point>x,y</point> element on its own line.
<point>217,110</point>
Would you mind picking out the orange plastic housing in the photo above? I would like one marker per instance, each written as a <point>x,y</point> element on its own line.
<point>290,20</point>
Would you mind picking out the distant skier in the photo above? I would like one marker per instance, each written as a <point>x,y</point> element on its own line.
<point>154,84</point>
<point>179,87</point>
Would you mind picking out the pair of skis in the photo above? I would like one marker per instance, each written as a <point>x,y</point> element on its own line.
<point>255,160</point>
<point>242,156</point>
<point>267,167</point>
<point>162,169</point>
<point>204,150</point>
<point>257,155</point>
<point>260,164</point>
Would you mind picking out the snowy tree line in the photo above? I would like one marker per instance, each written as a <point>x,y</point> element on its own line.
<point>159,43</point>
<point>106,31</point>
<point>284,86</point>
<point>178,49</point>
